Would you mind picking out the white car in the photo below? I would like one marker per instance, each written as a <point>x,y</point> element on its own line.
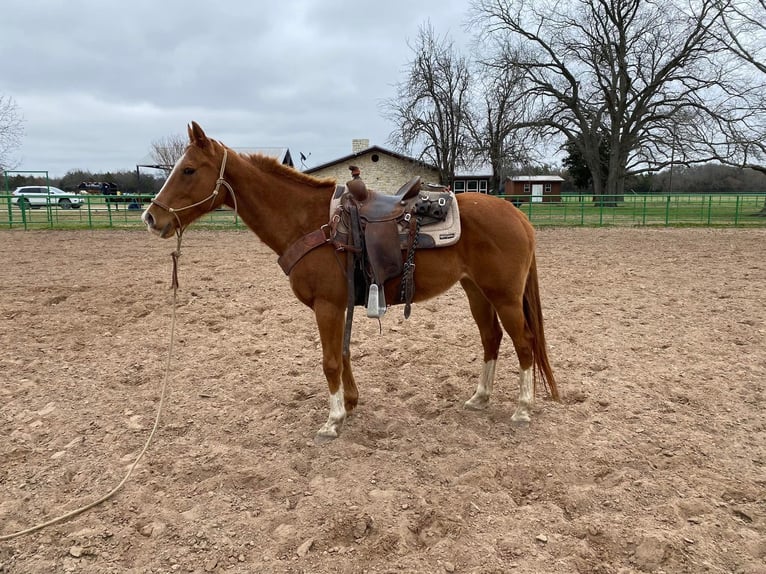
<point>37,196</point>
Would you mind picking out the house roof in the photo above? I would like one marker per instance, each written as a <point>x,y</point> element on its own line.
<point>370,149</point>
<point>536,178</point>
<point>477,171</point>
<point>482,171</point>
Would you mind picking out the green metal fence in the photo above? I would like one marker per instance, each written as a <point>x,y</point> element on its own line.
<point>708,210</point>
<point>94,212</point>
<point>740,210</point>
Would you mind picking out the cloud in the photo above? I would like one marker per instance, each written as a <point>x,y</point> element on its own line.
<point>97,81</point>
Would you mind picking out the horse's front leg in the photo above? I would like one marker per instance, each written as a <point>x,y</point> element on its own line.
<point>330,320</point>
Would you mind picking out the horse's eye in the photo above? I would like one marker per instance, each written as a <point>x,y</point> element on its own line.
<point>188,170</point>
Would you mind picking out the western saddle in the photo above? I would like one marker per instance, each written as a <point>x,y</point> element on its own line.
<point>381,232</point>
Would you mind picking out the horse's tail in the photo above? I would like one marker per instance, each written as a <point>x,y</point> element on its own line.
<point>533,314</point>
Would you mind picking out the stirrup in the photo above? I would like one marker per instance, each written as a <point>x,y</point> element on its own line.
<point>376,302</point>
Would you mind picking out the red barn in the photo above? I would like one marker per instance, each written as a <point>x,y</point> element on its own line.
<point>534,188</point>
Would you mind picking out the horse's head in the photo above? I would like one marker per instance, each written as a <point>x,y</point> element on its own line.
<point>193,187</point>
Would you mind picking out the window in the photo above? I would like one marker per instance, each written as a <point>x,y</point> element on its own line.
<point>472,185</point>
<point>458,186</point>
<point>483,186</point>
<point>527,188</point>
<point>547,188</point>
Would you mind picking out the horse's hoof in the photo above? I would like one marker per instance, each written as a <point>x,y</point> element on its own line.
<point>473,404</point>
<point>325,435</point>
<point>320,439</point>
<point>520,422</point>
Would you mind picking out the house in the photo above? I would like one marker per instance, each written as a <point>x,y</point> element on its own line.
<point>382,169</point>
<point>473,180</point>
<point>534,188</point>
<point>386,171</point>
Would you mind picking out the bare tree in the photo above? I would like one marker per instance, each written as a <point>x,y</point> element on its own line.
<point>745,26</point>
<point>165,152</point>
<point>652,78</point>
<point>499,107</point>
<point>11,130</point>
<point>744,34</point>
<point>431,106</point>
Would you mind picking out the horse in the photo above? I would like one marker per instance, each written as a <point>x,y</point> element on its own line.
<point>494,261</point>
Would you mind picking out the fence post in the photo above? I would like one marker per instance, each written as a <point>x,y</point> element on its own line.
<point>643,215</point>
<point>90,211</point>
<point>667,210</point>
<point>23,206</point>
<point>108,209</point>
<point>736,211</point>
<point>10,211</point>
<point>709,208</point>
<point>600,210</point>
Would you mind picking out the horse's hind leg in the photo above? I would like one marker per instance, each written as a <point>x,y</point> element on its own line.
<point>491,335</point>
<point>512,316</point>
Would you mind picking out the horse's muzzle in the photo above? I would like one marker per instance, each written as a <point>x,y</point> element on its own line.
<point>155,227</point>
<point>148,219</point>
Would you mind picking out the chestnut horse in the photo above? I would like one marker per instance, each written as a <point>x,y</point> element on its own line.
<point>494,260</point>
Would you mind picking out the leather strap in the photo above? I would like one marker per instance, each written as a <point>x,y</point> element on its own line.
<point>307,243</point>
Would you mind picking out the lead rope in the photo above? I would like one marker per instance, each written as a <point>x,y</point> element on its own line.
<point>174,284</point>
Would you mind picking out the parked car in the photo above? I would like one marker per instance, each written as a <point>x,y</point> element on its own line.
<point>98,188</point>
<point>37,196</point>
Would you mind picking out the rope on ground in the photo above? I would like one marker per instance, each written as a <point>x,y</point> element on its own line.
<point>175,255</point>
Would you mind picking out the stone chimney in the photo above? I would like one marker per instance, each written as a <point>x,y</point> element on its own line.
<point>359,145</point>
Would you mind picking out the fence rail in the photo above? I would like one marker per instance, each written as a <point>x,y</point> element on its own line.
<point>666,210</point>
<point>725,210</point>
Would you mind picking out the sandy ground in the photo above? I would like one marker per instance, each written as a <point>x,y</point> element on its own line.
<point>655,461</point>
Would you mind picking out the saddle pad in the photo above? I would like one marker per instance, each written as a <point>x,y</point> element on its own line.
<point>443,233</point>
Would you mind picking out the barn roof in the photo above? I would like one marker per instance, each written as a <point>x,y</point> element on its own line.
<point>536,178</point>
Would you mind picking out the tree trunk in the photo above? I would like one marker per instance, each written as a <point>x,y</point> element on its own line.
<point>615,180</point>
<point>615,188</point>
<point>495,185</point>
<point>597,182</point>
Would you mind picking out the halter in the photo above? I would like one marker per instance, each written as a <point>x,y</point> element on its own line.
<point>218,183</point>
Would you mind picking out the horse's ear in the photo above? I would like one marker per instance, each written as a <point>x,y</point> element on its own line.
<point>196,135</point>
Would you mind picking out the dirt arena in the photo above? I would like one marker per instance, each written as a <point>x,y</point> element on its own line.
<point>655,461</point>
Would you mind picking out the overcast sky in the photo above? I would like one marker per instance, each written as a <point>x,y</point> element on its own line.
<point>97,81</point>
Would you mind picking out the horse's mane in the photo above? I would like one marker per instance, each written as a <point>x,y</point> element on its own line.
<point>271,165</point>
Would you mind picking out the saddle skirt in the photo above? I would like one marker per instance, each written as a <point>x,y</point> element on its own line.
<point>432,234</point>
